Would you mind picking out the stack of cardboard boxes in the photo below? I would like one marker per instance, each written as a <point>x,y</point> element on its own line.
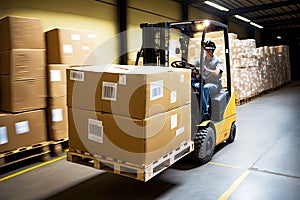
<point>245,68</point>
<point>284,63</point>
<point>65,47</point>
<point>22,83</point>
<point>128,113</point>
<point>275,66</point>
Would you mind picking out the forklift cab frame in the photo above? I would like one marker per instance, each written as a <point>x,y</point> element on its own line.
<point>156,51</point>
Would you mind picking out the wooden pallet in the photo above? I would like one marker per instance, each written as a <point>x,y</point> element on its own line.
<point>40,150</point>
<point>58,146</point>
<point>239,102</point>
<point>138,172</point>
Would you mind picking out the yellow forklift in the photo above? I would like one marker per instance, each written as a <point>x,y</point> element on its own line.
<point>178,44</point>
<point>172,44</point>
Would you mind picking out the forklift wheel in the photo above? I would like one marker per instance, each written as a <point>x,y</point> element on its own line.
<point>232,134</point>
<point>205,142</point>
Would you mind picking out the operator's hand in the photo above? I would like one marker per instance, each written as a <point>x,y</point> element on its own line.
<point>189,66</point>
<point>204,68</point>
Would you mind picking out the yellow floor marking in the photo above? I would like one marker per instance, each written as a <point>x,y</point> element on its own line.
<point>225,165</point>
<point>231,189</point>
<point>31,168</point>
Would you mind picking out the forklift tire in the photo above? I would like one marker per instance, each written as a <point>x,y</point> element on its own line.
<point>231,134</point>
<point>205,141</point>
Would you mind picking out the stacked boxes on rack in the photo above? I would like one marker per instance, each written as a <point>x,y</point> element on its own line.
<point>275,66</point>
<point>22,83</point>
<point>65,47</point>
<point>128,113</point>
<point>246,77</point>
<point>283,60</point>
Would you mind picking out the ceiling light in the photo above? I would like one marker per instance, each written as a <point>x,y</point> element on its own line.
<point>200,27</point>
<point>278,37</point>
<point>254,24</point>
<point>242,18</point>
<point>216,6</point>
<point>206,23</point>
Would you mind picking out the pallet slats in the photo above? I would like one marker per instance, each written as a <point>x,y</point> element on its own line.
<point>41,150</point>
<point>139,172</point>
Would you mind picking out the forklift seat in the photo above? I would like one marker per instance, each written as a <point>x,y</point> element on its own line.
<point>218,104</point>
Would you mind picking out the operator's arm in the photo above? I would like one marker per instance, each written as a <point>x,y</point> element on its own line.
<point>215,72</point>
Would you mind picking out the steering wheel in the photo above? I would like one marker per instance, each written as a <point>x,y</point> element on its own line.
<point>184,64</point>
<point>180,64</point>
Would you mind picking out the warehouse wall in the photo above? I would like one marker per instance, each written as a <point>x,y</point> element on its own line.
<point>152,12</point>
<point>79,14</point>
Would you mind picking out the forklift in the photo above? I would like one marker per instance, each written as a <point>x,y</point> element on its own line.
<point>169,44</point>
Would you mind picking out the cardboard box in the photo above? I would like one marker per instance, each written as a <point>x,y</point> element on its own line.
<point>22,129</point>
<point>57,118</point>
<point>137,141</point>
<point>5,126</point>
<point>21,33</point>
<point>136,92</point>
<point>23,64</point>
<point>19,96</point>
<point>56,80</point>
<point>69,46</point>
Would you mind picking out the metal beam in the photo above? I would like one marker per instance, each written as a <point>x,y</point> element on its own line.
<point>184,11</point>
<point>122,22</point>
<point>262,7</point>
<point>294,21</point>
<point>276,15</point>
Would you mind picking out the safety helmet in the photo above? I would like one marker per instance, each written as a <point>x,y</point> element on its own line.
<point>209,45</point>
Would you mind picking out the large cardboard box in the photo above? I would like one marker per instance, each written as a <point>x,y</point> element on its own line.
<point>56,80</point>
<point>22,129</point>
<point>21,33</point>
<point>23,64</point>
<point>22,95</point>
<point>137,141</point>
<point>69,46</point>
<point>137,92</point>
<point>57,118</point>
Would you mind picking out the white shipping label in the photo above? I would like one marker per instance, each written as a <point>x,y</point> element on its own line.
<point>55,75</point>
<point>122,79</point>
<point>22,127</point>
<point>109,91</point>
<point>3,135</point>
<point>179,131</point>
<point>181,78</point>
<point>68,48</point>
<point>75,36</point>
<point>173,121</point>
<point>95,130</point>
<point>85,48</point>
<point>76,75</point>
<point>156,90</point>
<point>91,35</point>
<point>173,96</point>
<point>57,115</point>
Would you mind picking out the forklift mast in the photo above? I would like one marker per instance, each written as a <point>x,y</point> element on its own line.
<point>155,44</point>
<point>156,41</point>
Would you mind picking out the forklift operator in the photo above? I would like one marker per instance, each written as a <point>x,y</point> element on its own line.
<point>212,73</point>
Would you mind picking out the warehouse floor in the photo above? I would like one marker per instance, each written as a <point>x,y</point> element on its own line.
<point>262,163</point>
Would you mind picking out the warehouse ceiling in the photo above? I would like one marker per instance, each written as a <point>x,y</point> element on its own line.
<point>271,14</point>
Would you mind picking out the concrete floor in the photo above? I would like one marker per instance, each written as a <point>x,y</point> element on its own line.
<point>263,163</point>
